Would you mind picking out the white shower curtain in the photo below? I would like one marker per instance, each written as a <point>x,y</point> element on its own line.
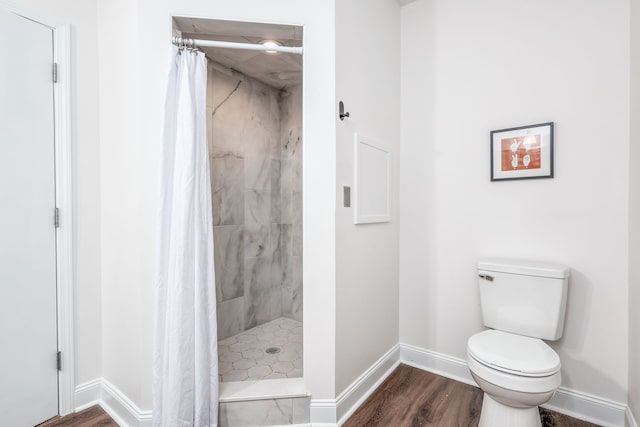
<point>185,370</point>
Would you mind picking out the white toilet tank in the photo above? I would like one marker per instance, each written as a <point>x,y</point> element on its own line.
<point>523,297</point>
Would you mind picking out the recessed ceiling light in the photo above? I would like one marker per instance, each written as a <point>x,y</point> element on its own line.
<point>271,44</point>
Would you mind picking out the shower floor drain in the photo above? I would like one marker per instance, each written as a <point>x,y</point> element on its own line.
<point>272,350</point>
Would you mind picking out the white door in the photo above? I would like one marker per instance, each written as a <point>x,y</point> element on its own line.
<point>28,340</point>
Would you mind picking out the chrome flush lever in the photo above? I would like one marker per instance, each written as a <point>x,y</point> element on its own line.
<point>486,277</point>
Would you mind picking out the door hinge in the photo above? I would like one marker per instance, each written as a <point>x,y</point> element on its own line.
<point>56,218</point>
<point>55,72</point>
<point>59,360</point>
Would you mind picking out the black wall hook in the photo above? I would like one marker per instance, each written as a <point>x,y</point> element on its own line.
<point>341,110</point>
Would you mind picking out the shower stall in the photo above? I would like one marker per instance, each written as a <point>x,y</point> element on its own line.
<point>254,132</point>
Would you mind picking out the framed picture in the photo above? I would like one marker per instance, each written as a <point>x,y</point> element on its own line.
<point>524,152</point>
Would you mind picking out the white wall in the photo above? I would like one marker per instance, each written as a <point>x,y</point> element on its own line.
<point>134,48</point>
<point>367,80</point>
<point>81,16</point>
<point>469,67</point>
<point>125,319</point>
<point>634,216</point>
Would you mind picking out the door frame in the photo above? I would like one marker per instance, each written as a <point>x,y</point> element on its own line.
<point>63,200</point>
<point>64,233</point>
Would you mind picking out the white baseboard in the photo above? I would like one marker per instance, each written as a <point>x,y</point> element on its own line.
<point>630,420</point>
<point>354,395</point>
<point>569,402</point>
<point>323,412</point>
<point>438,363</point>
<point>336,411</point>
<point>121,408</point>
<point>587,407</point>
<point>113,401</point>
<point>88,394</point>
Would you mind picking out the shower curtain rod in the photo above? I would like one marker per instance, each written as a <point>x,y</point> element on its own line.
<point>234,45</point>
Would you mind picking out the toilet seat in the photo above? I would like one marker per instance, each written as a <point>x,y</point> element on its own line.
<point>513,362</point>
<point>513,354</point>
<point>507,381</point>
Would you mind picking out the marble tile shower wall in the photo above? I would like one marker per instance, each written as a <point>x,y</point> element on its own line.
<point>254,135</point>
<point>291,192</point>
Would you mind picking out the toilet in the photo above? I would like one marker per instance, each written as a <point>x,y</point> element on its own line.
<point>523,303</point>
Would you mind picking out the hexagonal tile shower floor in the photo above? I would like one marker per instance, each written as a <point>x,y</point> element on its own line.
<point>271,350</point>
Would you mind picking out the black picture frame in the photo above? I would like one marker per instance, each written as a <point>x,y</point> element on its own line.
<point>523,152</point>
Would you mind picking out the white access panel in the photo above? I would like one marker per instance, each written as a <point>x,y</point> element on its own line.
<point>28,341</point>
<point>372,169</point>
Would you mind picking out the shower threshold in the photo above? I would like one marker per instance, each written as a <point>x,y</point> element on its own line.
<point>269,351</point>
<point>242,391</point>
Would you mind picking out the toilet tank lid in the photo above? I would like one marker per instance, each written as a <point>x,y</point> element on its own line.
<point>525,268</point>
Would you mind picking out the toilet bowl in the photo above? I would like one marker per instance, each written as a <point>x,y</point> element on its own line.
<point>516,373</point>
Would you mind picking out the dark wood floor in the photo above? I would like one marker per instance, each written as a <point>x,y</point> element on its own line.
<point>90,417</point>
<point>411,397</point>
